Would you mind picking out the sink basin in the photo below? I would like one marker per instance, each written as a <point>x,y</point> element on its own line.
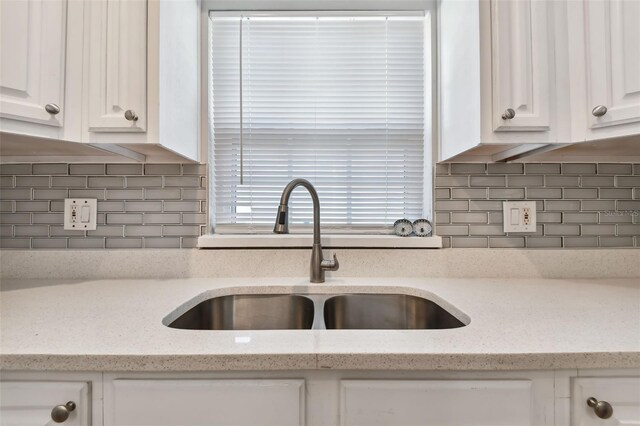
<point>249,312</point>
<point>386,311</point>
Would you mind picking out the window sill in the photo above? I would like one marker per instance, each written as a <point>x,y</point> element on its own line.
<point>305,240</point>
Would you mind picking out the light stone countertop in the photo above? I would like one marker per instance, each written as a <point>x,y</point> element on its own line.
<point>117,325</point>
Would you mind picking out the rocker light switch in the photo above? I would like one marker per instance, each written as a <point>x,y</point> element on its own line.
<point>519,216</point>
<point>80,214</point>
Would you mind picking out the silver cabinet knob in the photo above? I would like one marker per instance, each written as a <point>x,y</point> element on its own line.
<point>131,115</point>
<point>599,111</point>
<point>508,114</point>
<point>60,413</point>
<point>603,409</point>
<point>52,109</point>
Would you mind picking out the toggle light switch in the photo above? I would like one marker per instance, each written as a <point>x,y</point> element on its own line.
<point>84,214</point>
<point>515,216</point>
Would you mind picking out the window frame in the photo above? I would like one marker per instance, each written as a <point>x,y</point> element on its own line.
<point>304,7</point>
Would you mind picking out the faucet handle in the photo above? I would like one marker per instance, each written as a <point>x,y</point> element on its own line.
<point>330,265</point>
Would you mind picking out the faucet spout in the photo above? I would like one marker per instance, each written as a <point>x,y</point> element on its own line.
<point>318,264</point>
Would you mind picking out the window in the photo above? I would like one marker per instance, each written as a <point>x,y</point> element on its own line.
<point>335,98</point>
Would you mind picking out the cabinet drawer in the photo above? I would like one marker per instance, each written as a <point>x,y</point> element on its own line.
<point>204,402</point>
<point>30,403</point>
<point>621,393</point>
<point>436,402</point>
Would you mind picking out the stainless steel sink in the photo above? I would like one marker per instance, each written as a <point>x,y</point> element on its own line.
<point>249,312</point>
<point>386,311</point>
<point>296,311</point>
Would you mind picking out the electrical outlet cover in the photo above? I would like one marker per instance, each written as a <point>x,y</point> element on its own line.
<point>80,214</point>
<point>519,216</point>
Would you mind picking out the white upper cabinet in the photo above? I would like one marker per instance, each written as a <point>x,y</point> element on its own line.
<point>117,77</point>
<point>604,68</point>
<point>520,65</point>
<point>530,76</point>
<point>499,89</point>
<point>612,31</point>
<point>32,61</point>
<point>142,76</point>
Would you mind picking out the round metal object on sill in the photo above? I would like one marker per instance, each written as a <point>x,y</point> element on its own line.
<point>52,109</point>
<point>131,115</point>
<point>60,413</point>
<point>599,111</point>
<point>403,227</point>
<point>422,228</point>
<point>508,114</point>
<point>602,409</point>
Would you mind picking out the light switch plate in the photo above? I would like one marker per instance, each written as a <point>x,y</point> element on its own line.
<point>80,214</point>
<point>519,216</point>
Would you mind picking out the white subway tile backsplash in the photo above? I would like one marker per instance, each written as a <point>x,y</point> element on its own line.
<point>143,206</point>
<point>495,181</point>
<point>574,242</point>
<point>106,182</point>
<point>123,243</point>
<point>144,181</point>
<point>68,182</point>
<point>182,181</point>
<point>15,169</point>
<point>542,168</point>
<point>32,181</point>
<point>87,169</point>
<point>580,217</point>
<point>505,168</point>
<point>50,194</point>
<point>614,169</point>
<point>162,194</point>
<point>50,169</point>
<point>579,169</point>
<point>164,205</point>
<point>16,194</point>
<point>579,205</point>
<point>181,230</point>
<point>32,206</point>
<point>143,231</point>
<point>124,169</point>
<point>162,169</point>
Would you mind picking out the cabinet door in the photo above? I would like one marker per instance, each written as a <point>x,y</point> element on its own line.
<point>32,59</point>
<point>205,402</point>
<point>623,393</point>
<point>30,403</point>
<point>612,37</point>
<point>436,402</point>
<point>520,65</point>
<point>117,76</point>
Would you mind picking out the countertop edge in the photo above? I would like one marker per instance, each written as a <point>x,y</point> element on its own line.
<point>337,361</point>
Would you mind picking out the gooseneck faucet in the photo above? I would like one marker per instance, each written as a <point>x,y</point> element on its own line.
<point>318,264</point>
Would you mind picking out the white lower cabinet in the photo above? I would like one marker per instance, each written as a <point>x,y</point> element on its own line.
<point>436,402</point>
<point>205,402</point>
<point>30,403</point>
<point>618,397</point>
<point>323,398</point>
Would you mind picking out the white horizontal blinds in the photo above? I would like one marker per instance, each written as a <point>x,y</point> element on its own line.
<point>336,100</point>
<point>224,113</point>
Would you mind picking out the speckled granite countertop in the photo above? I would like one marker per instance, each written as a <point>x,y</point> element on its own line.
<point>117,325</point>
